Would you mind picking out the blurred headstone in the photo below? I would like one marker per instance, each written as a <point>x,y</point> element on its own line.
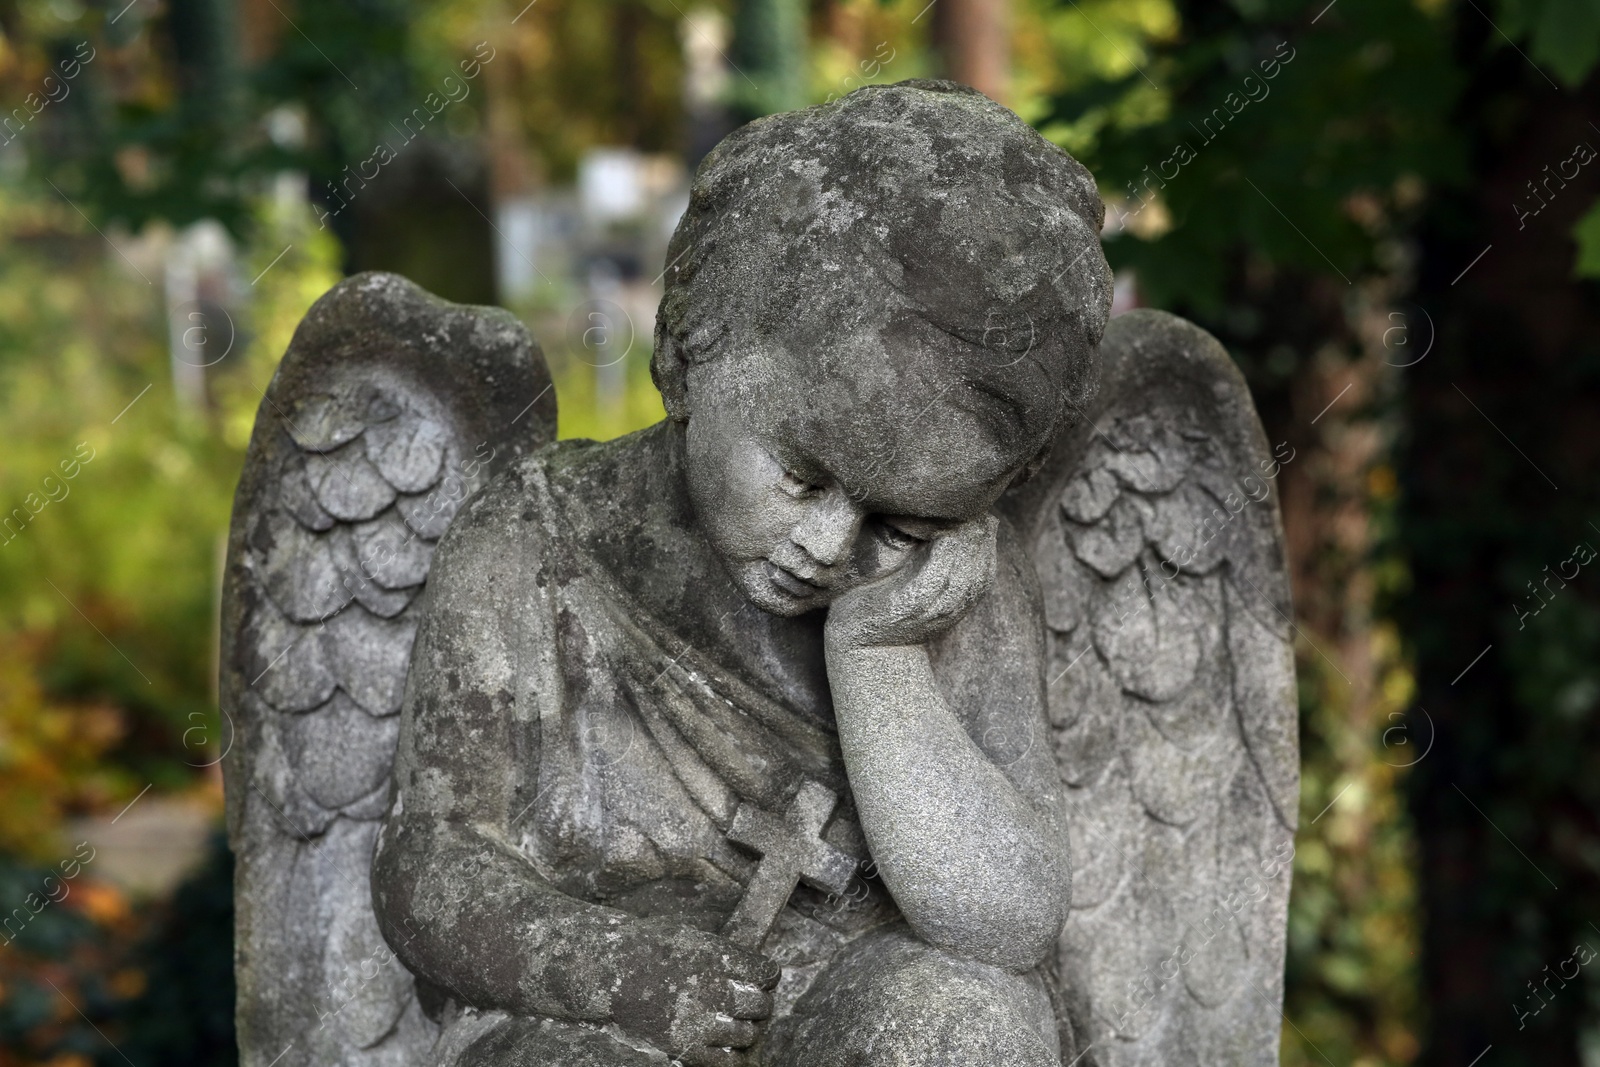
<point>150,846</point>
<point>426,216</point>
<point>200,290</point>
<point>515,246</point>
<point>611,184</point>
<point>705,34</point>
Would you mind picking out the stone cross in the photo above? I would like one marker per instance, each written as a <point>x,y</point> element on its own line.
<point>791,849</point>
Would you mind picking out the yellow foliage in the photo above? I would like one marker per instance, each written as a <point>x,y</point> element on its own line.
<point>49,756</point>
<point>128,983</point>
<point>101,901</point>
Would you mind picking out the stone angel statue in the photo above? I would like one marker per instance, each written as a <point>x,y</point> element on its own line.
<point>918,692</point>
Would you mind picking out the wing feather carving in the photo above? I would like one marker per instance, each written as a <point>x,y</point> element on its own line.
<point>389,410</point>
<point>1155,531</point>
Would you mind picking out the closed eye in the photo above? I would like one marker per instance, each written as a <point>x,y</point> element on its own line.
<point>897,538</point>
<point>796,486</point>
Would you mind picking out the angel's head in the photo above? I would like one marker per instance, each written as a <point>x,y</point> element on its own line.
<point>878,314</point>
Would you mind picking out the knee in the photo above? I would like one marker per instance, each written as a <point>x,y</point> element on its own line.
<point>900,1000</point>
<point>953,1013</point>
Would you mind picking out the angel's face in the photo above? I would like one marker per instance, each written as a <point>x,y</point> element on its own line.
<point>806,491</point>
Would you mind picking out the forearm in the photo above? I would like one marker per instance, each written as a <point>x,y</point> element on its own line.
<point>973,866</point>
<point>510,941</point>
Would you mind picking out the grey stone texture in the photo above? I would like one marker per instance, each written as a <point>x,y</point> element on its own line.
<point>389,410</point>
<point>918,692</point>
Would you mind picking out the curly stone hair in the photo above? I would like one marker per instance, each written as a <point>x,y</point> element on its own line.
<point>922,199</point>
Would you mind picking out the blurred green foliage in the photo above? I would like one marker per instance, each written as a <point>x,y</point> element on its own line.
<point>1256,133</point>
<point>108,581</point>
<point>1561,34</point>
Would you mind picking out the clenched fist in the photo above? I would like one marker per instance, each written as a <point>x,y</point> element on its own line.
<point>694,995</point>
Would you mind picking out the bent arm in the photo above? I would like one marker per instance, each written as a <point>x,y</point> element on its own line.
<point>459,904</point>
<point>458,901</point>
<point>955,780</point>
<point>472,916</point>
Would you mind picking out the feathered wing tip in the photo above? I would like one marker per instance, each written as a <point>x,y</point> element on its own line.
<point>1155,530</point>
<point>389,410</point>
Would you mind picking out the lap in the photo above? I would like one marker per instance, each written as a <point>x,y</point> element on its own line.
<point>892,999</point>
<point>888,999</point>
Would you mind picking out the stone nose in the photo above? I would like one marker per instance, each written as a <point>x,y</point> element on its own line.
<point>829,528</point>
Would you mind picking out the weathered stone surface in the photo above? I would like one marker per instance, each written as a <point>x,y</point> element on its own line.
<point>408,451</point>
<point>899,699</point>
<point>1176,715</point>
<point>382,386</point>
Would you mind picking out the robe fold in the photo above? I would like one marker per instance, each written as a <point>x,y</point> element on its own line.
<point>643,749</point>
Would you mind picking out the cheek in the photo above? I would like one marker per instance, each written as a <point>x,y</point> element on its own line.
<point>734,498</point>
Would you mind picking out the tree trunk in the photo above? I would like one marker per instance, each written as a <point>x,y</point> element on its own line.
<point>973,40</point>
<point>1499,486</point>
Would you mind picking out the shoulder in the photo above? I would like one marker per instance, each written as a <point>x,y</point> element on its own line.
<point>515,494</point>
<point>520,514</point>
<point>1011,609</point>
<point>476,581</point>
<point>1016,581</point>
<point>488,599</point>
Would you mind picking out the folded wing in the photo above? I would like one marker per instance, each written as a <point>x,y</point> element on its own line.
<point>1155,531</point>
<point>389,410</point>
